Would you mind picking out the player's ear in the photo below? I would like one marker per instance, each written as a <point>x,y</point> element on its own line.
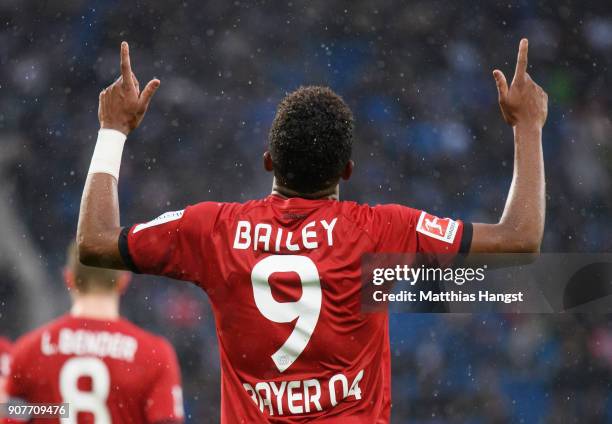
<point>267,161</point>
<point>348,170</point>
<point>68,278</point>
<point>123,281</point>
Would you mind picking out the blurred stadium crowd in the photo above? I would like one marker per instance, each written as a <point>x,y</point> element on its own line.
<point>418,77</point>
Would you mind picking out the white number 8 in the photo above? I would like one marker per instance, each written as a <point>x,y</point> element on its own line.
<point>306,309</point>
<point>93,401</point>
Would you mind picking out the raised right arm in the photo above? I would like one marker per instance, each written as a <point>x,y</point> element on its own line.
<point>524,106</point>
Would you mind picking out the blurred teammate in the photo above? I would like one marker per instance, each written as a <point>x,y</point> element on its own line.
<point>283,272</point>
<point>106,368</point>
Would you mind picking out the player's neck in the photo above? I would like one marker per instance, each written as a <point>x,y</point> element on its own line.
<point>332,193</point>
<point>96,306</point>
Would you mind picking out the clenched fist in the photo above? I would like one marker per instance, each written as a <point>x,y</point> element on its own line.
<point>122,105</point>
<point>524,102</point>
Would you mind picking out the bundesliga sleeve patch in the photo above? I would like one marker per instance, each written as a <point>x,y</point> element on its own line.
<point>162,219</point>
<point>443,229</point>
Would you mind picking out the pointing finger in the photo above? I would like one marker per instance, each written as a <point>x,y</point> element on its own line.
<point>521,61</point>
<point>126,68</point>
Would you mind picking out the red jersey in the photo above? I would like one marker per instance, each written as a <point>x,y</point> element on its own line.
<point>283,277</point>
<point>107,371</point>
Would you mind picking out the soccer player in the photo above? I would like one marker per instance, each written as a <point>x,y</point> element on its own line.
<point>106,369</point>
<point>283,272</point>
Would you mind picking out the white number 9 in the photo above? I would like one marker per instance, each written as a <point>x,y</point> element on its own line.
<point>306,309</point>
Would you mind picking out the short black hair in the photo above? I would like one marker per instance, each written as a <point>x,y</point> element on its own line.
<point>311,139</point>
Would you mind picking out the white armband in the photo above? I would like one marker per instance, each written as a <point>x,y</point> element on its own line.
<point>107,153</point>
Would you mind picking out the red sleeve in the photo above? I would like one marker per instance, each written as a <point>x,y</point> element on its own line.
<point>405,230</point>
<point>165,400</point>
<point>172,244</point>
<point>16,384</point>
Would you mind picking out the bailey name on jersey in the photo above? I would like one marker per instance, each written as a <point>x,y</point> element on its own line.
<point>266,236</point>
